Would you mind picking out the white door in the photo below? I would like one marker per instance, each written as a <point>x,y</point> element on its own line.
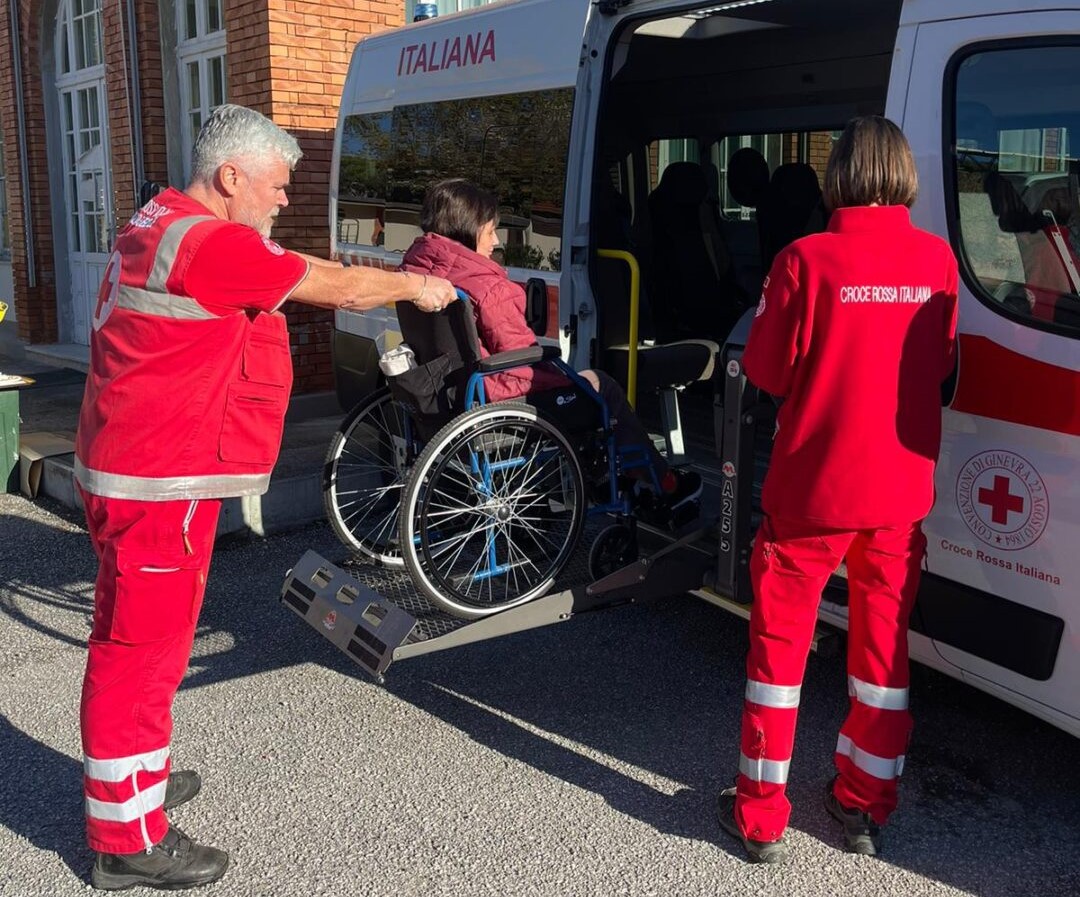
<point>1007,518</point>
<point>80,80</point>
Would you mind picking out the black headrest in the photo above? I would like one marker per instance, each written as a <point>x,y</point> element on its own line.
<point>747,176</point>
<point>797,182</point>
<point>682,183</point>
<point>1013,216</point>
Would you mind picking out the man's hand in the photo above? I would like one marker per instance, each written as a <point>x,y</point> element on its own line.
<point>435,294</point>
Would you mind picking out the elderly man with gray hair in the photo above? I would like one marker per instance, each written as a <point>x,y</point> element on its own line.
<point>185,400</point>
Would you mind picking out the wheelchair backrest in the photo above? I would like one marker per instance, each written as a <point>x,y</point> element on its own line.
<point>445,344</point>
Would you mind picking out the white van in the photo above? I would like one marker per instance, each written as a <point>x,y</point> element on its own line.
<point>691,137</point>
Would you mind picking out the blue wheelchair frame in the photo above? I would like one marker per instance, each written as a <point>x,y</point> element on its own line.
<point>619,459</point>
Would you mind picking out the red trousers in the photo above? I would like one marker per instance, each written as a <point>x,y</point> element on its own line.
<point>789,568</point>
<point>153,559</point>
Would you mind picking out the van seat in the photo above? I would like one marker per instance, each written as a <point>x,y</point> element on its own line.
<point>692,275</point>
<point>791,208</point>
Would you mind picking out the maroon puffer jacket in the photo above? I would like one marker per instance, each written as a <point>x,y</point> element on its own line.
<point>498,306</point>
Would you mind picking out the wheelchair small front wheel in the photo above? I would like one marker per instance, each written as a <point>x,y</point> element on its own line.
<point>363,476</point>
<point>614,548</point>
<point>492,510</point>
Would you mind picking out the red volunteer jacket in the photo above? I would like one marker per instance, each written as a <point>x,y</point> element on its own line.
<point>856,330</point>
<point>498,305</point>
<point>189,361</point>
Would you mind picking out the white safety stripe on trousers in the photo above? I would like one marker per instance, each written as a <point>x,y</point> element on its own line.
<point>219,485</point>
<point>133,808</point>
<point>780,697</point>
<point>120,768</point>
<point>879,767</point>
<point>877,696</point>
<point>773,771</point>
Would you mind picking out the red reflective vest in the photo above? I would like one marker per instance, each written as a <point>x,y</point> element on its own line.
<point>181,402</point>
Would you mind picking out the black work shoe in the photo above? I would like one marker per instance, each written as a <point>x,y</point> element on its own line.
<point>173,863</point>
<point>756,851</point>
<point>182,787</point>
<point>861,834</point>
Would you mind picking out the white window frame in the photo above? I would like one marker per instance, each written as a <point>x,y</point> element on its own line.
<point>200,50</point>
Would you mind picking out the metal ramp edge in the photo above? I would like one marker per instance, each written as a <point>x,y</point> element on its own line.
<point>374,632</point>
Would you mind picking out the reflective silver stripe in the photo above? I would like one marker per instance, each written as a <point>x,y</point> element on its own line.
<point>167,249</point>
<point>871,764</point>
<point>116,485</point>
<point>774,771</point>
<point>877,695</point>
<point>162,304</point>
<point>782,697</point>
<point>131,809</point>
<point>119,769</point>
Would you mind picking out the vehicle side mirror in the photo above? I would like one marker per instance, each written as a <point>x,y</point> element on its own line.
<point>536,305</point>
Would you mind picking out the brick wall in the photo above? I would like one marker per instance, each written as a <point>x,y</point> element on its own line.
<point>118,109</point>
<point>152,91</point>
<point>286,58</point>
<point>35,307</point>
<point>818,151</point>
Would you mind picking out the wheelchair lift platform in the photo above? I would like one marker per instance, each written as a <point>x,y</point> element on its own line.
<point>376,616</point>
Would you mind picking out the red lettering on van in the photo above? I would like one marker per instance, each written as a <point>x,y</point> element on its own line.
<point>447,53</point>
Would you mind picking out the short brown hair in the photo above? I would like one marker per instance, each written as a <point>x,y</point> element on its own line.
<point>458,209</point>
<point>871,163</point>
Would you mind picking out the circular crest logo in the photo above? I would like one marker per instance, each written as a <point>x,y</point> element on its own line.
<point>1003,500</point>
<point>728,469</point>
<point>274,248</point>
<point>108,292</point>
<point>733,368</point>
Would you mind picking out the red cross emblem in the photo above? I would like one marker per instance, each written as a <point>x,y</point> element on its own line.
<point>1000,500</point>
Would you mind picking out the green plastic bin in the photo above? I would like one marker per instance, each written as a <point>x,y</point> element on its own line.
<point>9,439</point>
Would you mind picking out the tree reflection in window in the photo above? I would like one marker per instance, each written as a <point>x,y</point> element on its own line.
<point>514,145</point>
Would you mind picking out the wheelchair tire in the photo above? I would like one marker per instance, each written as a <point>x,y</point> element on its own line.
<point>492,510</point>
<point>363,475</point>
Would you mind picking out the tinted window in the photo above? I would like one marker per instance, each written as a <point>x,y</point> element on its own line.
<point>1016,143</point>
<point>804,147</point>
<point>515,145</point>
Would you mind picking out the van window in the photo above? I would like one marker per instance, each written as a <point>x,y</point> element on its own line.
<point>514,145</point>
<point>1015,156</point>
<point>808,147</point>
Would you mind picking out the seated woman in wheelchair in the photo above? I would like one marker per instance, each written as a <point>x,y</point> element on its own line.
<point>459,221</point>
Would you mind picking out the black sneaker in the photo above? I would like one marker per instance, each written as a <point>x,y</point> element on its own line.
<point>182,787</point>
<point>173,863</point>
<point>861,834</point>
<point>756,851</point>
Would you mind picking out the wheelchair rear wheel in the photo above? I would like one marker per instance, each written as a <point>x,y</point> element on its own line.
<point>363,476</point>
<point>492,510</point>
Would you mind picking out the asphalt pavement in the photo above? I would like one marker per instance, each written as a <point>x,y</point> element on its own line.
<point>579,759</point>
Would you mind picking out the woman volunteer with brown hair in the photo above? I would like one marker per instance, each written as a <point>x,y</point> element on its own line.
<point>854,333</point>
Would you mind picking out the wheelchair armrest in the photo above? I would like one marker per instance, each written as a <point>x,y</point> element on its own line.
<point>516,358</point>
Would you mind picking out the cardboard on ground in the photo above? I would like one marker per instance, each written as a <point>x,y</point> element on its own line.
<point>34,448</point>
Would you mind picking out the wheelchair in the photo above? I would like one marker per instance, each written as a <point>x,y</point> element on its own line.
<point>482,503</point>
